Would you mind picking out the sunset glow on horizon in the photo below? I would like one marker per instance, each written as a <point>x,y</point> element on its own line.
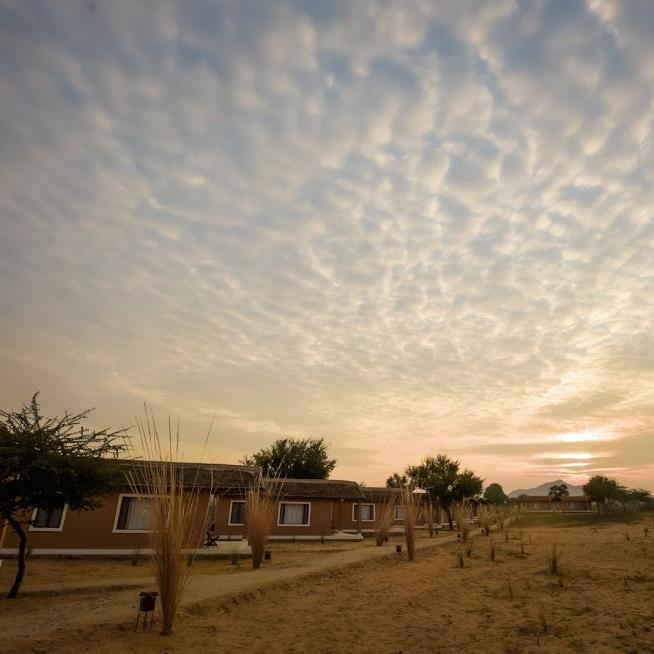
<point>408,228</point>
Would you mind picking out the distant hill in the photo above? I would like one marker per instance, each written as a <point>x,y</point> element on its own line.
<point>544,489</point>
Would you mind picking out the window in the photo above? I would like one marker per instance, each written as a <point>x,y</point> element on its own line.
<point>367,512</point>
<point>48,518</point>
<point>398,513</point>
<point>132,514</point>
<point>236,512</point>
<point>294,514</point>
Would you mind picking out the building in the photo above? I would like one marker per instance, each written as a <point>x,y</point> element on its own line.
<point>307,509</point>
<point>546,503</point>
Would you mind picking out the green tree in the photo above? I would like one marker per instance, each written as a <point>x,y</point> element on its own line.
<point>396,480</point>
<point>559,491</point>
<point>295,458</point>
<point>623,496</point>
<point>50,463</point>
<point>640,496</point>
<point>495,493</point>
<point>600,489</point>
<point>439,476</point>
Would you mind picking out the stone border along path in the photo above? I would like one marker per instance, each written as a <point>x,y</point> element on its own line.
<point>115,602</point>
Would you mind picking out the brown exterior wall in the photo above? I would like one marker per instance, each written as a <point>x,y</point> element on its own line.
<point>93,530</point>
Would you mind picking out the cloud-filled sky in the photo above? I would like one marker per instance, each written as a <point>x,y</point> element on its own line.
<point>407,227</point>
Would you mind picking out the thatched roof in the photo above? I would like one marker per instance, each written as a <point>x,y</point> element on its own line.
<point>216,476</point>
<point>380,493</point>
<point>319,488</point>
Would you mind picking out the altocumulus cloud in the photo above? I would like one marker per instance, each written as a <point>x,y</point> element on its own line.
<point>408,227</point>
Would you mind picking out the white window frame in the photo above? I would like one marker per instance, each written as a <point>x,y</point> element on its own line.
<point>354,507</point>
<point>115,530</point>
<point>61,522</point>
<point>283,524</point>
<point>229,515</point>
<point>395,510</point>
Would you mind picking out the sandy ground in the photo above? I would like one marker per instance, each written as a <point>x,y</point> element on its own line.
<point>358,600</point>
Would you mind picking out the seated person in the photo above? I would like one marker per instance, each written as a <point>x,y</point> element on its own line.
<point>212,536</point>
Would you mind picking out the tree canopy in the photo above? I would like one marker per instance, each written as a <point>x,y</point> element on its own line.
<point>600,489</point>
<point>296,458</point>
<point>495,493</point>
<point>396,480</point>
<point>443,481</point>
<point>52,462</point>
<point>559,491</point>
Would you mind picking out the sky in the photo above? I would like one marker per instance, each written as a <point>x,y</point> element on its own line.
<point>406,227</point>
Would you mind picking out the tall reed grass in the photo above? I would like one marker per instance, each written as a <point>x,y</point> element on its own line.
<point>428,516</point>
<point>462,524</point>
<point>261,501</point>
<point>175,517</point>
<point>385,522</point>
<point>485,520</point>
<point>410,518</point>
<point>554,562</point>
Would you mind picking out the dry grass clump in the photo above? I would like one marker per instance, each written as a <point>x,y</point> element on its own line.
<point>459,558</point>
<point>501,518</point>
<point>428,516</point>
<point>492,549</point>
<point>173,513</point>
<point>410,518</point>
<point>462,524</point>
<point>386,520</point>
<point>485,520</point>
<point>468,549</point>
<point>261,501</point>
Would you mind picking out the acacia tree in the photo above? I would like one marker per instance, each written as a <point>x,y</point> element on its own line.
<point>440,478</point>
<point>49,463</point>
<point>296,458</point>
<point>600,489</point>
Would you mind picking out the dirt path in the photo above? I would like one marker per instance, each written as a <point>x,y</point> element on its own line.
<point>601,603</point>
<point>49,611</point>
